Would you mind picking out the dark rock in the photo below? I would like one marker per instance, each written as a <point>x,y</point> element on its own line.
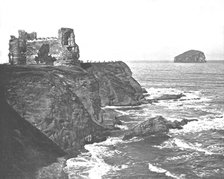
<point>163,97</point>
<point>117,86</point>
<point>144,90</point>
<point>65,102</point>
<point>191,56</point>
<point>123,118</point>
<point>154,126</point>
<point>62,102</point>
<point>170,97</point>
<point>146,94</point>
<point>118,121</point>
<point>109,117</point>
<point>24,149</point>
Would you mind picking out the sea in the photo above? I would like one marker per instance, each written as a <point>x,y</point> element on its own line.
<point>196,151</point>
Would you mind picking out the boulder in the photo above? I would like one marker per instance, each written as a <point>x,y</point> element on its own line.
<point>154,126</point>
<point>191,56</point>
<point>144,90</point>
<point>169,97</point>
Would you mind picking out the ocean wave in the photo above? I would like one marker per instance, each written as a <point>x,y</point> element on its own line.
<point>182,157</point>
<point>122,127</point>
<point>203,124</point>
<point>191,100</point>
<point>183,145</point>
<point>91,164</point>
<point>156,169</point>
<point>156,92</point>
<point>88,165</point>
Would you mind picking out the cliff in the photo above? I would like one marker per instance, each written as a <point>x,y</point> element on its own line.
<point>58,100</point>
<point>24,149</point>
<point>116,84</point>
<point>191,56</point>
<point>65,102</point>
<point>62,102</point>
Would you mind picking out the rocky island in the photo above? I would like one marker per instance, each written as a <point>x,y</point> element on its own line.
<point>191,56</point>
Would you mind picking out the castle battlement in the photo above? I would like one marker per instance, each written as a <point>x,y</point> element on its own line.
<point>43,39</point>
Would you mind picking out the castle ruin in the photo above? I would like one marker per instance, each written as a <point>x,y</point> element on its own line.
<point>28,49</point>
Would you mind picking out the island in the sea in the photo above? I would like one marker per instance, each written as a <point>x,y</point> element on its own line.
<point>190,56</point>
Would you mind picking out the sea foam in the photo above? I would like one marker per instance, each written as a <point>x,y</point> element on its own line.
<point>183,145</point>
<point>91,164</point>
<point>156,169</point>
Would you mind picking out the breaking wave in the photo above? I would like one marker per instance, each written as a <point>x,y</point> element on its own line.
<point>91,164</point>
<point>156,169</point>
<point>204,124</point>
<point>183,145</point>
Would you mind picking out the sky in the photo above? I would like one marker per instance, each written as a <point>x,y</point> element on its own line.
<point>121,29</point>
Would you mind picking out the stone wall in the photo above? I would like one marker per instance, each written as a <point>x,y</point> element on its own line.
<point>17,49</point>
<point>62,50</point>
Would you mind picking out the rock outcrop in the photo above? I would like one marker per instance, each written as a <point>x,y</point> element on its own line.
<point>116,84</point>
<point>154,126</point>
<point>191,56</point>
<point>24,149</point>
<point>65,102</point>
<point>62,102</point>
<point>169,97</point>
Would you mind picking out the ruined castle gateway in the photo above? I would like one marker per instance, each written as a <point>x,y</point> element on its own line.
<point>28,49</point>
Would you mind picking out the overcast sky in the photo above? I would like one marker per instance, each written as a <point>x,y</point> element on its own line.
<point>121,29</point>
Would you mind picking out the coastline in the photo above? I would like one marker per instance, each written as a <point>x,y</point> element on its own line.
<point>32,91</point>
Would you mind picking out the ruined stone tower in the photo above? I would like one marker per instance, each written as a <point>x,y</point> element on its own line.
<point>28,49</point>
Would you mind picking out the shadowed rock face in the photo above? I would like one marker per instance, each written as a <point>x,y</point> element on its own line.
<point>62,102</point>
<point>191,56</point>
<point>24,149</point>
<point>116,84</point>
<point>65,102</point>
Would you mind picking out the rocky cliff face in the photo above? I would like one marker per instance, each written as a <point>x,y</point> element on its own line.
<point>24,149</point>
<point>65,102</point>
<point>191,56</point>
<point>116,84</point>
<point>62,102</point>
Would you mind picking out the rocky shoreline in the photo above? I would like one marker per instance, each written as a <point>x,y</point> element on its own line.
<point>67,106</point>
<point>65,103</point>
<point>52,104</point>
